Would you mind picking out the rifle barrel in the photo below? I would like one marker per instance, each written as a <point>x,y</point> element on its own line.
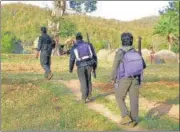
<point>139,45</point>
<point>88,37</point>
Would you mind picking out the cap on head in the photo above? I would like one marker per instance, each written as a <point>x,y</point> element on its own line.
<point>79,36</point>
<point>127,39</point>
<point>43,29</point>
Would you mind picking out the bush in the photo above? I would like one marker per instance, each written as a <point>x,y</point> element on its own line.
<point>175,48</point>
<point>8,42</point>
<point>98,45</point>
<point>67,28</point>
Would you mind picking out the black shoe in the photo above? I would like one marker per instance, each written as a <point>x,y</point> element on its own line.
<point>125,120</point>
<point>89,97</point>
<point>132,124</point>
<point>50,75</point>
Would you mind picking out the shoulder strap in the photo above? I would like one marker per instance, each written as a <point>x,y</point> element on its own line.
<point>90,50</point>
<point>123,52</point>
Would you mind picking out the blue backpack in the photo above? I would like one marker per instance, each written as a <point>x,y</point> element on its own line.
<point>131,66</point>
<point>83,52</point>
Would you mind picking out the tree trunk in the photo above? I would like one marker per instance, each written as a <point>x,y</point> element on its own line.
<point>169,40</point>
<point>59,7</point>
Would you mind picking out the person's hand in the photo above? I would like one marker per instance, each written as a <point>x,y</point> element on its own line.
<point>113,82</point>
<point>37,55</point>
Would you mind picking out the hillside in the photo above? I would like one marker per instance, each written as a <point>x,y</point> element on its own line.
<point>25,21</point>
<point>102,30</point>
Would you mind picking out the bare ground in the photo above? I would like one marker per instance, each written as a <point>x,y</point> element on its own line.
<point>160,109</point>
<point>100,108</point>
<point>154,108</point>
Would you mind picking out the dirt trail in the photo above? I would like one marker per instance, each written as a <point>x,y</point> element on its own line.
<point>154,109</point>
<point>100,108</point>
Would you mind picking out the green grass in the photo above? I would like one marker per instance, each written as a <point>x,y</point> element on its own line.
<point>160,93</point>
<point>46,106</point>
<point>165,72</point>
<point>26,66</point>
<point>29,103</point>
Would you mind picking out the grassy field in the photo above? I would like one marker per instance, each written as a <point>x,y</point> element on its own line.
<point>30,103</point>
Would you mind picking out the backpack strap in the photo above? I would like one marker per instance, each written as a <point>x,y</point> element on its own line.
<point>123,52</point>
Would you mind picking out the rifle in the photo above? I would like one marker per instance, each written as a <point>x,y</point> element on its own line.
<point>139,50</point>
<point>94,69</point>
<point>139,45</point>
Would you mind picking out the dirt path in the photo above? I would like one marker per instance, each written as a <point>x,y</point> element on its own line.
<point>100,108</point>
<point>154,108</point>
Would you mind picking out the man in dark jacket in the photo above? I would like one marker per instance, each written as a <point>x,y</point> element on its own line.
<point>124,82</point>
<point>84,55</point>
<point>45,46</point>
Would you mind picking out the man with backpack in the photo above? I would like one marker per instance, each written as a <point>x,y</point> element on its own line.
<point>45,46</point>
<point>84,55</point>
<point>126,74</point>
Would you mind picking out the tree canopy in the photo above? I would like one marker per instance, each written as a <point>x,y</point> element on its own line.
<point>169,20</point>
<point>77,5</point>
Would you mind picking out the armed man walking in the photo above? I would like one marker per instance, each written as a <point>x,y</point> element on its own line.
<point>84,55</point>
<point>126,72</point>
<point>45,46</point>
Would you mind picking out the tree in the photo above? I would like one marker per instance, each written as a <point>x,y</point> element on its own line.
<point>59,10</point>
<point>77,5</point>
<point>168,24</point>
<point>68,28</point>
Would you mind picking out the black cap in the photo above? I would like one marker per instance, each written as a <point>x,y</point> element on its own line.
<point>43,29</point>
<point>79,35</point>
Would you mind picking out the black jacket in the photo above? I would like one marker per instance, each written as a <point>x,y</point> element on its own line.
<point>45,44</point>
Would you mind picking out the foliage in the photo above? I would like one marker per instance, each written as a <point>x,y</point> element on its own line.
<point>28,19</point>
<point>23,20</point>
<point>77,5</point>
<point>175,48</point>
<point>169,20</point>
<point>103,30</point>
<point>8,42</point>
<point>67,28</point>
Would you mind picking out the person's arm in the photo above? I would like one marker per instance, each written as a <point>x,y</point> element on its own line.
<point>40,41</point>
<point>117,61</point>
<point>71,60</point>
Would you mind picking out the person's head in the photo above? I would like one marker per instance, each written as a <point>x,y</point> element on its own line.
<point>43,30</point>
<point>79,36</point>
<point>127,39</point>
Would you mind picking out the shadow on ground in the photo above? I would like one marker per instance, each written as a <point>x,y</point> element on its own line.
<point>162,108</point>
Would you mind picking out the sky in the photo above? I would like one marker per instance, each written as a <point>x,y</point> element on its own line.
<point>120,10</point>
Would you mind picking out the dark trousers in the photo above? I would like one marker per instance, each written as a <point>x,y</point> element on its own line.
<point>131,86</point>
<point>84,75</point>
<point>45,61</point>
